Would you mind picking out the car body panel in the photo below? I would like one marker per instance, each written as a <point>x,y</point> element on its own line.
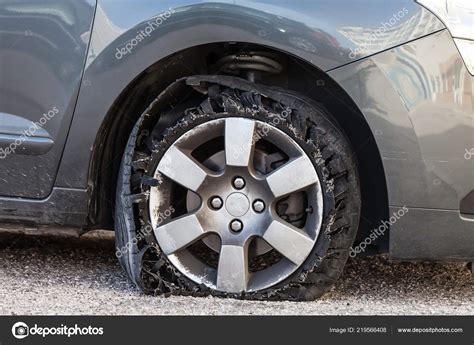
<point>43,47</point>
<point>65,207</point>
<point>432,234</point>
<point>418,99</point>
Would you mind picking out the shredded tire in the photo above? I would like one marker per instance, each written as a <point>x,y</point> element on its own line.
<point>213,97</point>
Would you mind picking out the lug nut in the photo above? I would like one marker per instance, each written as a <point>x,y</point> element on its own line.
<point>258,206</point>
<point>239,183</point>
<point>236,225</point>
<point>216,203</point>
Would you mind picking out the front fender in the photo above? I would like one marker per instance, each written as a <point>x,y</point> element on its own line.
<point>130,36</point>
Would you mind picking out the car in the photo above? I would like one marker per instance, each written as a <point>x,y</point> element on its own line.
<point>241,149</point>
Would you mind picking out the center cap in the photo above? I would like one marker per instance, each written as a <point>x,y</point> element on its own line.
<point>237,204</point>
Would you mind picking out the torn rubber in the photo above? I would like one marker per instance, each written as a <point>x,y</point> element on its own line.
<point>203,98</point>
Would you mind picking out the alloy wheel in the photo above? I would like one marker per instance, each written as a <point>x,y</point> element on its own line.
<point>240,179</point>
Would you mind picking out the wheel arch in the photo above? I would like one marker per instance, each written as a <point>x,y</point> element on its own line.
<point>299,76</point>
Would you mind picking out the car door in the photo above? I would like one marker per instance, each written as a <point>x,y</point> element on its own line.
<point>43,47</point>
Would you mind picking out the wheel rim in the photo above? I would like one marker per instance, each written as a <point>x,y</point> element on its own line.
<point>238,204</point>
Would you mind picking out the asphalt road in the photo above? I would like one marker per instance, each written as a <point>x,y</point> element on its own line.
<point>52,275</point>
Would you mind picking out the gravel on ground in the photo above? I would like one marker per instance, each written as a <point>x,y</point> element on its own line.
<point>50,275</point>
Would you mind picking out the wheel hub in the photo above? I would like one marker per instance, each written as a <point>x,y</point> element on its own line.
<point>237,204</point>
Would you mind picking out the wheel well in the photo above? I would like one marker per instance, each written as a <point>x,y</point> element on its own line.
<point>297,75</point>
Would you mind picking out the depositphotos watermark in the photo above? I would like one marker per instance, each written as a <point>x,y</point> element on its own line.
<point>151,26</point>
<point>148,229</point>
<point>378,232</point>
<point>30,132</point>
<point>378,33</point>
<point>21,330</point>
<point>261,133</point>
<point>469,154</point>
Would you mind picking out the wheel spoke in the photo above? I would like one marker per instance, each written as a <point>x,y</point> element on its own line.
<point>182,169</point>
<point>290,241</point>
<point>178,233</point>
<point>239,141</point>
<point>295,175</point>
<point>232,272</point>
